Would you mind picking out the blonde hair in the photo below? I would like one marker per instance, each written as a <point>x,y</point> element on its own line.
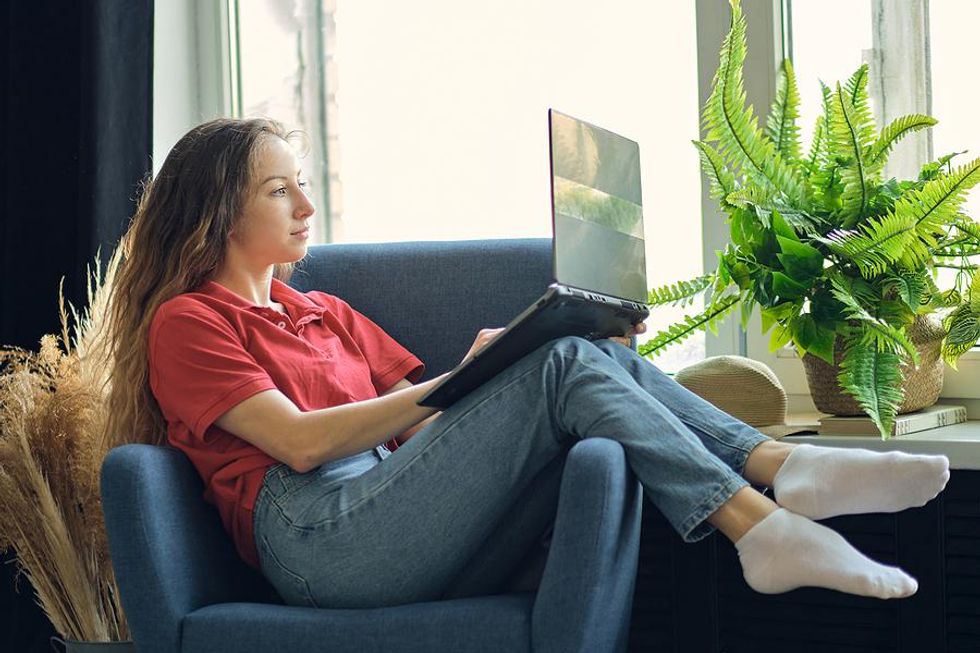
<point>175,242</point>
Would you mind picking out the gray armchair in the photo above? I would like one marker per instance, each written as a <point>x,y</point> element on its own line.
<point>184,588</point>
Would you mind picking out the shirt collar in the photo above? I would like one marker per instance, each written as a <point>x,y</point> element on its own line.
<point>300,307</point>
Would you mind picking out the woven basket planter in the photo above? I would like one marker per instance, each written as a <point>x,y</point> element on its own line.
<point>922,385</point>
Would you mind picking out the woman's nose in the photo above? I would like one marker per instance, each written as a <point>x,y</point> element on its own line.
<point>306,208</point>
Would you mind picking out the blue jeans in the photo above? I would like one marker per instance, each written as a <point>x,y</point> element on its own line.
<point>415,526</point>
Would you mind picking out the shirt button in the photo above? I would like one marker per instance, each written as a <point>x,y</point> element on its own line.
<point>282,325</point>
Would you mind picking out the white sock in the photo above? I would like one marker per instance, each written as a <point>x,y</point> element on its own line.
<point>786,551</point>
<point>821,482</point>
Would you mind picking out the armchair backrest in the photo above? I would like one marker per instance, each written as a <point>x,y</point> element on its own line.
<point>432,297</point>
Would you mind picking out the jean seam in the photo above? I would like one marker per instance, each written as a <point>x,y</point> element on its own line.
<point>301,582</point>
<point>290,490</point>
<point>710,505</point>
<point>748,442</point>
<point>387,483</point>
<point>743,451</point>
<point>264,495</point>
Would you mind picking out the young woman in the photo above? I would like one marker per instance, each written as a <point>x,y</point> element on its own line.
<point>284,401</point>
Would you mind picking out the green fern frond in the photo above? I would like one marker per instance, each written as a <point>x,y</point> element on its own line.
<point>861,290</point>
<point>856,89</point>
<point>936,205</point>
<point>746,308</point>
<point>781,126</point>
<point>763,204</point>
<point>803,222</point>
<point>951,253</point>
<point>731,124</point>
<point>910,287</point>
<point>876,244</point>
<point>962,333</point>
<point>681,293</point>
<point>949,299</point>
<point>680,331</point>
<point>963,242</point>
<point>881,336</point>
<point>933,169</point>
<point>847,139</point>
<point>873,331</point>
<point>936,298</point>
<point>893,132</point>
<point>970,229</point>
<point>749,197</point>
<point>719,176</point>
<point>821,131</point>
<point>874,379</point>
<point>973,292</point>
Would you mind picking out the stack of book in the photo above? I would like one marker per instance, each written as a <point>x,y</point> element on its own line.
<point>923,420</point>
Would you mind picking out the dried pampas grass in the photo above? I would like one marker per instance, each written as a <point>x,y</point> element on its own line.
<point>52,414</point>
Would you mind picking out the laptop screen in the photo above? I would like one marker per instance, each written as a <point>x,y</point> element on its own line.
<point>597,209</point>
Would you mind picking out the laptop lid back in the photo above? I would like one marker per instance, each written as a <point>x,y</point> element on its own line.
<point>597,209</point>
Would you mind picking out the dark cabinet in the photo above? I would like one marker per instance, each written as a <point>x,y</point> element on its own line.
<point>690,598</point>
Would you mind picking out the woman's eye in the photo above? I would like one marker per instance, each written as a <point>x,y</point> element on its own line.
<point>280,192</point>
<point>304,184</point>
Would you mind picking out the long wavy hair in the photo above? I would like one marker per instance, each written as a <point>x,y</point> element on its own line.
<point>175,242</point>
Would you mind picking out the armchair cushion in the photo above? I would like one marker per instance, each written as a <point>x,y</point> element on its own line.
<point>480,625</point>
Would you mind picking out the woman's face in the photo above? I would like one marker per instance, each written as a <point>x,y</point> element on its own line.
<point>275,223</point>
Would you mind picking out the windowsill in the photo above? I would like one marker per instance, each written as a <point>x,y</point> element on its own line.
<point>959,442</point>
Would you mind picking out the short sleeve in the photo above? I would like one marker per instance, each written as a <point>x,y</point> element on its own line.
<point>389,361</point>
<point>199,367</point>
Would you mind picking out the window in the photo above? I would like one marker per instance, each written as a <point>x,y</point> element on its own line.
<point>442,108</point>
<point>427,118</point>
<point>282,69</point>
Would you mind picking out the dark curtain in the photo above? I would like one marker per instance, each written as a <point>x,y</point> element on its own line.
<point>75,142</point>
<point>77,137</point>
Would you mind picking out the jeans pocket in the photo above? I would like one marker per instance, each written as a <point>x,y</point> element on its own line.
<point>292,482</point>
<point>292,587</point>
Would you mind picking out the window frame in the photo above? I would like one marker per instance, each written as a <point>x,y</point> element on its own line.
<point>195,53</point>
<point>765,34</point>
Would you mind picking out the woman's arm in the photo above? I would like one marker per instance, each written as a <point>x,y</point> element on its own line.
<point>404,436</point>
<point>304,440</point>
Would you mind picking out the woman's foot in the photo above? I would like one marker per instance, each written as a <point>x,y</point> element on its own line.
<point>821,482</point>
<point>785,551</point>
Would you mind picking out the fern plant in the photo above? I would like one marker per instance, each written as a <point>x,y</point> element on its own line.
<point>830,251</point>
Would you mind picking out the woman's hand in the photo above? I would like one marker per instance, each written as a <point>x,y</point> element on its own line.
<point>635,331</point>
<point>482,339</point>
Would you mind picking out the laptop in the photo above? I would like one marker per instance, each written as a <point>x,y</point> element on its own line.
<point>598,256</point>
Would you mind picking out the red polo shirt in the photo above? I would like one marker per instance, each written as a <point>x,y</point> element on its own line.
<point>211,349</point>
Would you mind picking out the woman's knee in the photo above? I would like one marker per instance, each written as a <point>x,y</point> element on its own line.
<point>617,351</point>
<point>571,346</point>
<point>579,346</point>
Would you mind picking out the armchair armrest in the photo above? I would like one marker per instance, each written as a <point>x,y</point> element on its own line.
<point>585,596</point>
<point>168,547</point>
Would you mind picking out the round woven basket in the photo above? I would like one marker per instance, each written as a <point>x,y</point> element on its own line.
<point>922,385</point>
